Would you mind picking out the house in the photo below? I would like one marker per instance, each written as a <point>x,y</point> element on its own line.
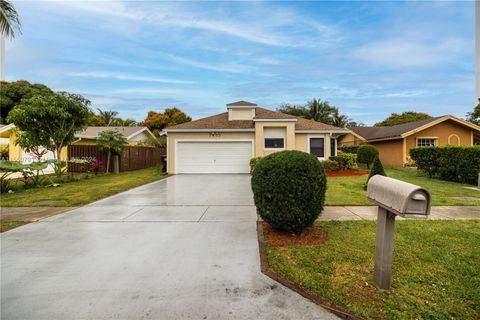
<point>224,143</point>
<point>134,135</point>
<point>395,142</point>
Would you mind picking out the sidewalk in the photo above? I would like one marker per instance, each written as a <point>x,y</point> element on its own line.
<point>370,213</point>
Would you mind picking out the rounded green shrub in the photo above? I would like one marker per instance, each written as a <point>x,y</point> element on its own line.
<point>366,154</point>
<point>253,163</point>
<point>289,190</point>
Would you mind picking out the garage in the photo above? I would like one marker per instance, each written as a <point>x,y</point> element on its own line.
<point>213,156</point>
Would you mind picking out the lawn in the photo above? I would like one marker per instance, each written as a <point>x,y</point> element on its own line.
<point>7,225</point>
<point>81,192</point>
<point>349,190</point>
<point>435,269</point>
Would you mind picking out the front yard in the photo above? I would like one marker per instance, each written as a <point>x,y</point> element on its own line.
<point>435,269</point>
<point>349,190</point>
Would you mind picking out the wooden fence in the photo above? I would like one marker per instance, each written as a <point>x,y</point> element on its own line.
<point>132,158</point>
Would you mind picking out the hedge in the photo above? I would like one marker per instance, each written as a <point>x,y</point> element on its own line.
<point>460,164</point>
<point>345,160</point>
<point>289,190</point>
<point>349,149</point>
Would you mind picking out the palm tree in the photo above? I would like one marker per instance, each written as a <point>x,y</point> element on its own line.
<point>340,120</point>
<point>129,122</point>
<point>107,117</point>
<point>10,25</point>
<point>321,111</point>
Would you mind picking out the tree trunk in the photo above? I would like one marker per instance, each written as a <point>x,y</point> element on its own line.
<point>108,162</point>
<point>116,164</point>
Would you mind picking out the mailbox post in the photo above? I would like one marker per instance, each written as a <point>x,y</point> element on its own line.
<point>393,197</point>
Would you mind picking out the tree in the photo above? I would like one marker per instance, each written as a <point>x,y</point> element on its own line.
<point>405,117</point>
<point>112,141</point>
<point>157,121</point>
<point>10,24</point>
<point>106,118</point>
<point>129,122</point>
<point>474,116</point>
<point>366,154</point>
<point>321,111</point>
<point>294,110</point>
<point>49,120</point>
<point>340,120</point>
<point>12,93</point>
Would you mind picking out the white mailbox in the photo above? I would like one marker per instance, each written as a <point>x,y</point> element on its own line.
<point>399,197</point>
<point>393,197</point>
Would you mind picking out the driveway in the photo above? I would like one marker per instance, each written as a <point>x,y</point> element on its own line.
<point>180,248</point>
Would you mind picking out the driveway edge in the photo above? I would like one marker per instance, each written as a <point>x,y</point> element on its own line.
<point>266,270</point>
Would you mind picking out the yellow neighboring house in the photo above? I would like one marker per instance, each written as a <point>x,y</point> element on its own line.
<point>8,133</point>
<point>224,143</point>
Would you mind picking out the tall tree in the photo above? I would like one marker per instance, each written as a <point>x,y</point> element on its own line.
<point>10,25</point>
<point>340,120</point>
<point>405,117</point>
<point>157,121</point>
<point>49,120</point>
<point>107,117</point>
<point>294,110</point>
<point>321,111</point>
<point>12,93</point>
<point>129,122</point>
<point>474,116</point>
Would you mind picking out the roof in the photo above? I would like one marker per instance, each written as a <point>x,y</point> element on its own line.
<point>402,130</point>
<point>241,103</point>
<point>127,132</point>
<point>220,121</point>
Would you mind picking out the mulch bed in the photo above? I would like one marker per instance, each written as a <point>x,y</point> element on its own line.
<point>347,173</point>
<point>312,236</point>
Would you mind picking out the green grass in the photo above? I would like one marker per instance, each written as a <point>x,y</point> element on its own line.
<point>8,225</point>
<point>81,192</point>
<point>349,190</point>
<point>435,269</point>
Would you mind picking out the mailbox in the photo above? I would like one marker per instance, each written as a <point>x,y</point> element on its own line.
<point>393,197</point>
<point>399,197</point>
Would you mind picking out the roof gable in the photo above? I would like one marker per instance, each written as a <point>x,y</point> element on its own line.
<point>127,132</point>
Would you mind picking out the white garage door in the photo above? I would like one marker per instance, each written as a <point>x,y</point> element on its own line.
<point>213,157</point>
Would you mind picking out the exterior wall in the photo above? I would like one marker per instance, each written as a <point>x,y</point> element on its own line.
<point>447,132</point>
<point>260,150</point>
<point>138,138</point>
<point>172,136</point>
<point>241,114</point>
<point>14,151</point>
<point>390,152</point>
<point>349,140</point>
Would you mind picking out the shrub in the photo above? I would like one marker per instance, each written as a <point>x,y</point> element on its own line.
<point>331,165</point>
<point>346,160</point>
<point>253,163</point>
<point>452,163</point>
<point>4,153</point>
<point>377,168</point>
<point>289,190</point>
<point>366,154</point>
<point>349,149</point>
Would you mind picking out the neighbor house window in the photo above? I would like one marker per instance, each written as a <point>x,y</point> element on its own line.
<point>333,147</point>
<point>274,137</point>
<point>317,147</point>
<point>424,142</point>
<point>274,143</point>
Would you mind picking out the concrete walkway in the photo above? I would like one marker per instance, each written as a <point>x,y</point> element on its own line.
<point>370,213</point>
<point>30,213</point>
<point>181,248</point>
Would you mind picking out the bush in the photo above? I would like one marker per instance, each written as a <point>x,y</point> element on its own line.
<point>331,165</point>
<point>4,153</point>
<point>377,168</point>
<point>253,162</point>
<point>366,154</point>
<point>346,160</point>
<point>289,190</point>
<point>349,149</point>
<point>452,163</point>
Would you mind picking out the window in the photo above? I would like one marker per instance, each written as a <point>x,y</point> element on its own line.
<point>317,147</point>
<point>333,147</point>
<point>274,143</point>
<point>423,142</point>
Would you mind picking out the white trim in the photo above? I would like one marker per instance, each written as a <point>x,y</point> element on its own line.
<point>274,120</point>
<point>252,141</point>
<point>331,132</point>
<point>317,136</point>
<point>209,130</point>
<point>140,131</point>
<point>7,127</point>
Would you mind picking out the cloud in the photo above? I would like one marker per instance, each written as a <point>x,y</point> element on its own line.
<point>121,76</point>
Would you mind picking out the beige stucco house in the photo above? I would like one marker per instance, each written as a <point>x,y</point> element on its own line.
<point>225,143</point>
<point>394,143</point>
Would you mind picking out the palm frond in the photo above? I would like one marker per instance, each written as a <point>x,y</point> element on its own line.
<point>10,25</point>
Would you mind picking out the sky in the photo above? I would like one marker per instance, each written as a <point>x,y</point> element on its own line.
<point>369,59</point>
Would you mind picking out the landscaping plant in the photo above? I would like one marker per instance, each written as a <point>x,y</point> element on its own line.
<point>345,160</point>
<point>377,168</point>
<point>331,165</point>
<point>253,162</point>
<point>366,154</point>
<point>289,190</point>
<point>349,149</point>
<point>112,141</point>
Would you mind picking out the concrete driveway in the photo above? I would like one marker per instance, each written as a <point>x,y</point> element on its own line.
<point>181,248</point>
